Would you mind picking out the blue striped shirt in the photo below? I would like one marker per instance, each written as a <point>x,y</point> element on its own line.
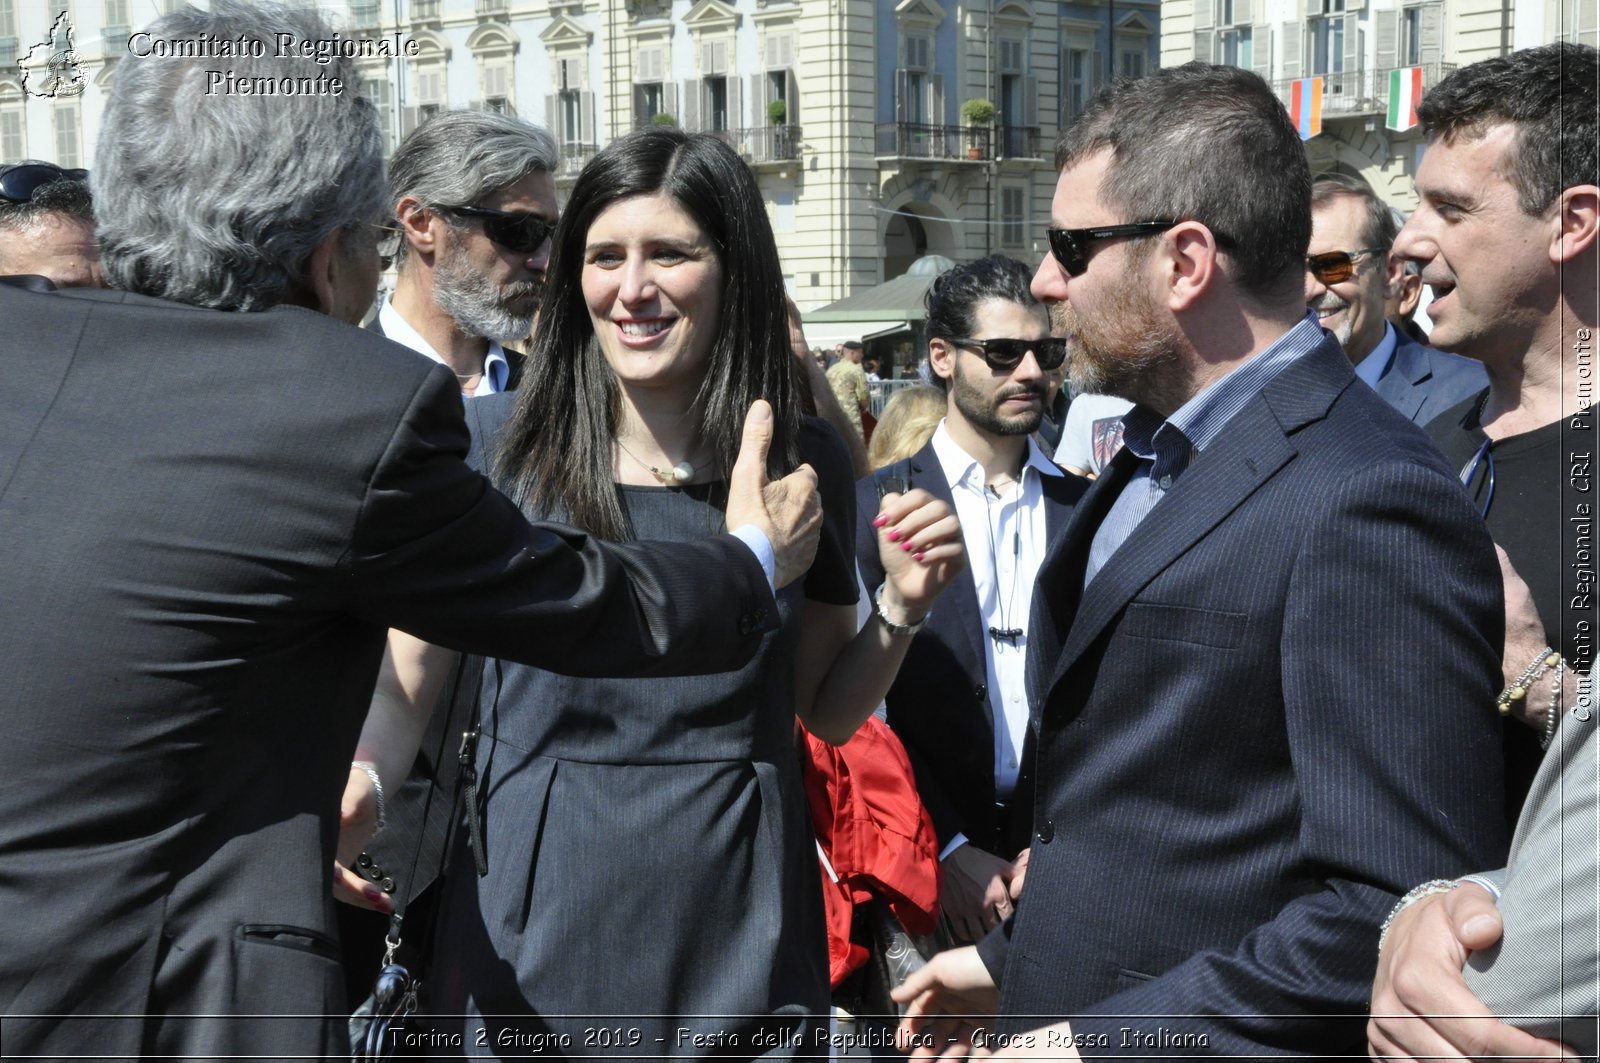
<point>1165,448</point>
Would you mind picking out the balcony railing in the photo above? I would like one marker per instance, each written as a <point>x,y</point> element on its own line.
<point>494,9</point>
<point>1020,142</point>
<point>910,140</point>
<point>8,51</point>
<point>424,10</point>
<point>364,12</point>
<point>779,143</point>
<point>1349,93</point>
<point>573,158</point>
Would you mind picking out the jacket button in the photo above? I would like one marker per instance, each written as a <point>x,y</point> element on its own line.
<point>980,691</point>
<point>388,885</point>
<point>1047,831</point>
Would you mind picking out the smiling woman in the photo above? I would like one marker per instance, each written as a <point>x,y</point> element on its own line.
<point>652,868</point>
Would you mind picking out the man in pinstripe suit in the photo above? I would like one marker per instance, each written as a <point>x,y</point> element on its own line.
<point>1276,622</point>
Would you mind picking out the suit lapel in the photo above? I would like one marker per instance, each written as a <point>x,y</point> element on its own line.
<point>1250,450</point>
<point>961,597</point>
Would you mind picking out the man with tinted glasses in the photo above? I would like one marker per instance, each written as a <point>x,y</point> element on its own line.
<point>959,703</point>
<point>47,225</point>
<point>1507,232</point>
<point>1349,277</point>
<point>474,206</point>
<point>1266,650</point>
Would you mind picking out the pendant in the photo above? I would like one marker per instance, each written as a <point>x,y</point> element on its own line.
<point>680,473</point>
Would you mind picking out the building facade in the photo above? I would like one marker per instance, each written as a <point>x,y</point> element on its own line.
<point>1355,46</point>
<point>850,112</point>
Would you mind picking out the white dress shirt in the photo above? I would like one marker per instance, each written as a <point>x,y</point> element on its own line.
<point>496,370</point>
<point>1006,538</point>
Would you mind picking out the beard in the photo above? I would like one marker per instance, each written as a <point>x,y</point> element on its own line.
<point>477,305</point>
<point>1347,327</point>
<point>982,409</point>
<point>1124,350</point>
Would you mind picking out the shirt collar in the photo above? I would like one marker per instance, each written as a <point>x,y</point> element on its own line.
<point>1376,363</point>
<point>496,369</point>
<point>960,467</point>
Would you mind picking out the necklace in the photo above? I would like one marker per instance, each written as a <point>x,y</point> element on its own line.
<point>676,476</point>
<point>1003,602</point>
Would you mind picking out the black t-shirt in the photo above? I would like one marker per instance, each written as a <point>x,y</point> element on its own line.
<point>1537,495</point>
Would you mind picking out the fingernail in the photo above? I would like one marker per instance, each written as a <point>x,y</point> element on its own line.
<point>917,555</point>
<point>761,411</point>
<point>373,893</point>
<point>894,535</point>
<point>880,520</point>
<point>906,546</point>
<point>1479,924</point>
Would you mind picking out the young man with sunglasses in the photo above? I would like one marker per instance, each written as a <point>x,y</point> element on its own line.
<point>1507,233</point>
<point>960,703</point>
<point>47,225</point>
<point>1349,277</point>
<point>475,204</point>
<point>1262,659</point>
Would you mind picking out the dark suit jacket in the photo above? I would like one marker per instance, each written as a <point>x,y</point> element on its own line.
<point>1271,714</point>
<point>204,545</point>
<point>1422,382</point>
<point>939,704</point>
<point>515,360</point>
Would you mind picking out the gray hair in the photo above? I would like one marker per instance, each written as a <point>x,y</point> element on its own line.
<point>1378,229</point>
<point>65,196</point>
<point>1210,144</point>
<point>216,198</point>
<point>456,158</point>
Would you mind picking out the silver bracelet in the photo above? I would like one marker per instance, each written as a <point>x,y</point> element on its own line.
<point>1548,658</point>
<point>371,770</point>
<point>883,617</point>
<point>1427,889</point>
<point>1554,714</point>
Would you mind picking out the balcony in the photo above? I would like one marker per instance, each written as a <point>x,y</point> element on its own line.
<point>498,10</point>
<point>773,143</point>
<point>1020,142</point>
<point>364,13</point>
<point>424,10</point>
<point>115,39</point>
<point>910,140</point>
<point>574,157</point>
<point>1359,92</point>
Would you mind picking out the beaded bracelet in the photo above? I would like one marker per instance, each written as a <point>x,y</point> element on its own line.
<point>1427,889</point>
<point>1555,710</point>
<point>371,770</point>
<point>1548,658</point>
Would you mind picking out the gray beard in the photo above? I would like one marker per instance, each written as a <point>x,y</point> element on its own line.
<point>480,307</point>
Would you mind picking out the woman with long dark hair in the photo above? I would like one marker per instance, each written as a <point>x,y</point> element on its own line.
<point>651,868</point>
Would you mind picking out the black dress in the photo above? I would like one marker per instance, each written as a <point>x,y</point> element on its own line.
<point>653,879</point>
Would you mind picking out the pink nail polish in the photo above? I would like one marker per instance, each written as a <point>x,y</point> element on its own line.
<point>917,555</point>
<point>906,546</point>
<point>880,520</point>
<point>894,535</point>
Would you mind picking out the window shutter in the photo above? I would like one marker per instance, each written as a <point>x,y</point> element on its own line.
<point>936,114</point>
<point>735,112</point>
<point>1203,42</point>
<point>1431,34</point>
<point>786,51</point>
<point>1204,19</point>
<point>1289,34</point>
<point>1241,12</point>
<point>552,115</point>
<point>1386,24</point>
<point>586,117</point>
<point>1097,73</point>
<point>691,105</point>
<point>669,97</point>
<point>1030,100</point>
<point>1261,50</point>
<point>902,89</point>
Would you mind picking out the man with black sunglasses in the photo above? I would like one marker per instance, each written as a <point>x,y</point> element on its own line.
<point>960,702</point>
<point>475,204</point>
<point>1262,659</point>
<point>1349,276</point>
<point>47,225</point>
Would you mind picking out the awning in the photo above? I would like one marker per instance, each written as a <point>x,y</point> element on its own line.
<point>829,334</point>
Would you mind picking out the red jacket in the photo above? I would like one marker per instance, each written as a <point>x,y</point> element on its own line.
<point>875,836</point>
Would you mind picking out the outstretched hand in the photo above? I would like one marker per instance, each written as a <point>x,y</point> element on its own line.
<point>788,512</point>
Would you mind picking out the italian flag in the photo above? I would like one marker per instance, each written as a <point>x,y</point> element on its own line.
<point>1405,89</point>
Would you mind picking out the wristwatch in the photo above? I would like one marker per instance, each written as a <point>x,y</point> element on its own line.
<point>883,617</point>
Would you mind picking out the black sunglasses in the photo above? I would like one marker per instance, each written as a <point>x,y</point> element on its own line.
<point>519,232</point>
<point>1008,354</point>
<point>18,184</point>
<point>1071,246</point>
<point>1331,267</point>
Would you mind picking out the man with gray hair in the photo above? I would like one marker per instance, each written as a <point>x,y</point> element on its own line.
<point>47,225</point>
<point>217,495</point>
<point>1349,277</point>
<point>474,206</point>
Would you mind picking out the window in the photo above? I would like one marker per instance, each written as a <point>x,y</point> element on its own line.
<point>497,85</point>
<point>377,88</point>
<point>13,142</point>
<point>1009,94</point>
<point>716,104</point>
<point>1013,216</point>
<point>1411,36</point>
<point>430,84</point>
<point>64,117</point>
<point>783,212</point>
<point>1130,62</point>
<point>916,82</point>
<point>649,100</point>
<point>1079,66</point>
<point>650,96</point>
<point>1238,47</point>
<point>1327,43</point>
<point>116,13</point>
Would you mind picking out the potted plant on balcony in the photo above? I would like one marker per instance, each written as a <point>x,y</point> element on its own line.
<point>662,118</point>
<point>977,113</point>
<point>777,113</point>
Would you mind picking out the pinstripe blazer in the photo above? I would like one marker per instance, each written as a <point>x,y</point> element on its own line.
<point>1544,975</point>
<point>1271,713</point>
